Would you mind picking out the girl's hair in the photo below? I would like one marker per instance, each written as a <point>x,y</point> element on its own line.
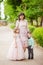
<point>15,31</point>
<point>21,15</point>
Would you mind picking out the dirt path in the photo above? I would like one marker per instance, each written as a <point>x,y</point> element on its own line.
<point>5,42</point>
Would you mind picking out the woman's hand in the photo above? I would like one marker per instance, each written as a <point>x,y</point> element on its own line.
<point>25,46</point>
<point>15,46</point>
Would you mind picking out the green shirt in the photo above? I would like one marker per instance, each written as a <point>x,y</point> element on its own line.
<point>31,42</point>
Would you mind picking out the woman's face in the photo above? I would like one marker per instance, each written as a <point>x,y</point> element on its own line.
<point>21,17</point>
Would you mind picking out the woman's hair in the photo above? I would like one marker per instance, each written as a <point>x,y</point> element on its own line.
<point>21,15</point>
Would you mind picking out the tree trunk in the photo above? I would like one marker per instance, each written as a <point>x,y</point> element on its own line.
<point>31,21</point>
<point>37,22</point>
<point>41,24</point>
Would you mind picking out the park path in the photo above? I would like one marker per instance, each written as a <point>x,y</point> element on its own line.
<point>5,42</point>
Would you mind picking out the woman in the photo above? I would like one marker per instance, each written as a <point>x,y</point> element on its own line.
<point>22,25</point>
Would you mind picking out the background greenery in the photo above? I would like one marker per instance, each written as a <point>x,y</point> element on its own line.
<point>32,9</point>
<point>38,35</point>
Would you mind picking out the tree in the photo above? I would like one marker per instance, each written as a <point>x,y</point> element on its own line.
<point>41,13</point>
<point>10,8</point>
<point>1,1</point>
<point>32,8</point>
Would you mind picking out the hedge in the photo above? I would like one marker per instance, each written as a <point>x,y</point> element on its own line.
<point>38,35</point>
<point>31,28</point>
<point>12,25</point>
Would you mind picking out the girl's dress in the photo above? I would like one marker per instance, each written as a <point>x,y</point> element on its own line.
<point>16,53</point>
<point>22,24</point>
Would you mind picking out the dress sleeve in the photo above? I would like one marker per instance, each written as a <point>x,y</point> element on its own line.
<point>17,25</point>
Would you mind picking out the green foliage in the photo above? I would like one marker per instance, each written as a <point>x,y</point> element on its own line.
<point>38,35</point>
<point>9,11</point>
<point>31,28</point>
<point>14,2</point>
<point>12,25</point>
<point>32,8</point>
<point>1,1</point>
<point>0,18</point>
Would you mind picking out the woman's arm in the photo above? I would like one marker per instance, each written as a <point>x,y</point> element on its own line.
<point>17,24</point>
<point>27,26</point>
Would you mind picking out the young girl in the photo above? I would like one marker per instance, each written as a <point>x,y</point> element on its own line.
<point>16,51</point>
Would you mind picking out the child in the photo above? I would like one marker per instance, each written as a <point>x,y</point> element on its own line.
<point>16,51</point>
<point>30,46</point>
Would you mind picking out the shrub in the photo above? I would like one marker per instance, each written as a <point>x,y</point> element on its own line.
<point>12,25</point>
<point>31,28</point>
<point>38,35</point>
